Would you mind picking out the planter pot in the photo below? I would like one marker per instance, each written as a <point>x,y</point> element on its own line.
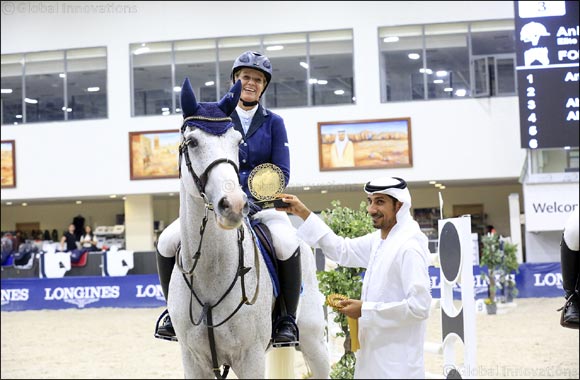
<point>491,308</point>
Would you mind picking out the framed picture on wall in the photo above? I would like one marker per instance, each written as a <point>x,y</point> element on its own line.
<point>154,154</point>
<point>365,144</point>
<point>8,164</point>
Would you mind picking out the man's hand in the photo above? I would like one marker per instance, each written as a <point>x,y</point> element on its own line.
<point>295,207</point>
<point>351,308</point>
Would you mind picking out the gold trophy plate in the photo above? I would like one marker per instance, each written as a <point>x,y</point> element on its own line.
<point>266,181</point>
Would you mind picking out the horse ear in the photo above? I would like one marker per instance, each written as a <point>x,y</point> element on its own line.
<point>230,100</point>
<point>188,101</point>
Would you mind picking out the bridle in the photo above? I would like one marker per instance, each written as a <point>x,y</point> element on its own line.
<point>206,314</point>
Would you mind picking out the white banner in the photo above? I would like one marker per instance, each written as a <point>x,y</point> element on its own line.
<point>547,206</point>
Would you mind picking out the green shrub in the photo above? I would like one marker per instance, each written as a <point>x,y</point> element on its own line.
<point>349,223</point>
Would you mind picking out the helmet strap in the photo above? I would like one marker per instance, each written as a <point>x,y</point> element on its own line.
<point>249,104</point>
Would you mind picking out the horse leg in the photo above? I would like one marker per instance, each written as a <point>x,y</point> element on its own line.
<point>194,367</point>
<point>251,365</point>
<point>313,343</point>
<point>311,320</point>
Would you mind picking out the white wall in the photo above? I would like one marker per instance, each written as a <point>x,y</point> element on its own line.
<point>452,139</point>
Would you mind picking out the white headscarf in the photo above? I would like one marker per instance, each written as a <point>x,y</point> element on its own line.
<point>406,228</point>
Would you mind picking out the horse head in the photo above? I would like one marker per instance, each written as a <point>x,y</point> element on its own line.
<point>209,155</point>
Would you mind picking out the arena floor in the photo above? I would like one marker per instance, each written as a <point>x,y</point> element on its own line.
<point>521,341</point>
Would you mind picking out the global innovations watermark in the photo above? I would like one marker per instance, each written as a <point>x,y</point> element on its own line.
<point>70,8</point>
<point>510,372</point>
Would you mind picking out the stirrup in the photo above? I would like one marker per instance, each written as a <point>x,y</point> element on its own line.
<point>156,333</point>
<point>293,343</point>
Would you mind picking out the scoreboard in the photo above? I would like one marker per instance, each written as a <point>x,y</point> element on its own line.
<point>547,63</point>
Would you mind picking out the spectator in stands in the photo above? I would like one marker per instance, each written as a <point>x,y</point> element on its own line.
<point>88,240</point>
<point>68,241</point>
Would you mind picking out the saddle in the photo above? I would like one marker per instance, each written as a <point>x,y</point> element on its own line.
<point>264,240</point>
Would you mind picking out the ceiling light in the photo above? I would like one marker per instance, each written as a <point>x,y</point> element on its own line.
<point>165,109</point>
<point>112,196</point>
<point>79,202</point>
<point>93,89</point>
<point>306,188</point>
<point>30,101</point>
<point>432,182</point>
<point>62,75</point>
<point>8,203</point>
<point>171,194</point>
<point>176,89</point>
<point>448,89</point>
<point>339,92</point>
<point>18,116</point>
<point>428,71</point>
<point>165,113</point>
<point>24,204</point>
<point>438,81</point>
<point>312,81</point>
<point>323,191</point>
<point>275,47</point>
<point>414,56</point>
<point>209,83</point>
<point>304,65</point>
<point>460,92</point>
<point>441,187</point>
<point>141,50</point>
<point>391,39</point>
<point>7,91</point>
<point>322,81</point>
<point>441,73</point>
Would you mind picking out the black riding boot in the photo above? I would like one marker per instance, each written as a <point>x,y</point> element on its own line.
<point>164,268</point>
<point>285,330</point>
<point>570,261</point>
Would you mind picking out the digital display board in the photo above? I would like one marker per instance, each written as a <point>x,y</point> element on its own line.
<point>547,61</point>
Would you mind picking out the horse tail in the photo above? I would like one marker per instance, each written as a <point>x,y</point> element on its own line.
<point>280,363</point>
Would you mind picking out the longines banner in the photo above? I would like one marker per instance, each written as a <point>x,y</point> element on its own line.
<point>76,292</point>
<point>80,292</point>
<point>547,206</point>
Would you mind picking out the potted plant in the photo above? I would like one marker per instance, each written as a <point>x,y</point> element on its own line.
<point>350,223</point>
<point>491,258</point>
<point>509,264</point>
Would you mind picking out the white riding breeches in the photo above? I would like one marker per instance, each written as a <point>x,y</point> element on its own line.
<point>283,234</point>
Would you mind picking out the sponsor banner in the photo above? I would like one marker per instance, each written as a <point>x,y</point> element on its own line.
<point>533,280</point>
<point>78,292</point>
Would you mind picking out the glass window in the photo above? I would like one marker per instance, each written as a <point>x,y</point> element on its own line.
<point>152,84</point>
<point>401,62</point>
<point>287,53</point>
<point>44,92</point>
<point>196,59</point>
<point>86,79</point>
<point>493,57</point>
<point>447,59</point>
<point>331,67</point>
<point>229,50</point>
<point>12,66</point>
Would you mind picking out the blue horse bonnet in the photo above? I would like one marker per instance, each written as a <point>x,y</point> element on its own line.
<point>210,110</point>
<point>211,117</point>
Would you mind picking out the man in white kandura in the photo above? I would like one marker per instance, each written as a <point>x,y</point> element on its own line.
<point>396,292</point>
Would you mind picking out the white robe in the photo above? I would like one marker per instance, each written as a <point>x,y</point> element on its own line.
<point>396,294</point>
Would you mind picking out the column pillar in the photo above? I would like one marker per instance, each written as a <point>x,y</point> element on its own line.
<point>139,234</point>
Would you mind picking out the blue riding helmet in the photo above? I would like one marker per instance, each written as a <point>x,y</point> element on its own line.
<point>256,61</point>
